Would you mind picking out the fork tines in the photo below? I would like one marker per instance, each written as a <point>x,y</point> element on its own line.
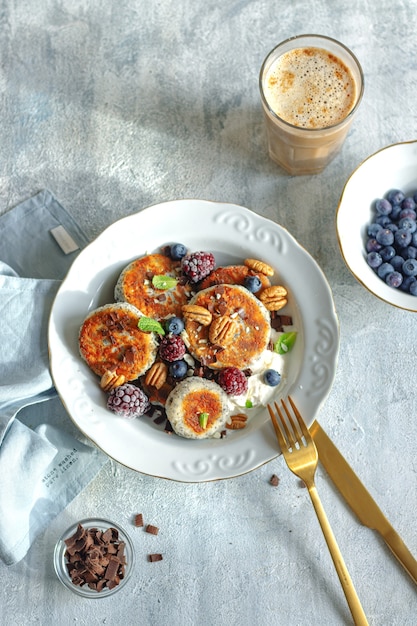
<point>290,433</point>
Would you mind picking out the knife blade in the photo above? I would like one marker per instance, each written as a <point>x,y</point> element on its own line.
<point>359,499</point>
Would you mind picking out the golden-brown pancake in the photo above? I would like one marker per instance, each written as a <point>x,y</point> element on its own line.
<point>233,275</point>
<point>197,408</point>
<point>110,340</point>
<point>251,327</point>
<point>135,286</point>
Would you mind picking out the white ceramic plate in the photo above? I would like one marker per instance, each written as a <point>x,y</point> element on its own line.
<point>393,167</point>
<point>232,233</point>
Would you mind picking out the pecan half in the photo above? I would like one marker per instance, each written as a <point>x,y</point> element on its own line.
<point>259,266</point>
<point>274,297</point>
<point>222,330</point>
<point>237,422</point>
<point>156,376</point>
<point>111,380</point>
<point>196,313</point>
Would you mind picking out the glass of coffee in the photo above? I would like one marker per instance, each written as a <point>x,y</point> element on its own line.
<point>311,87</point>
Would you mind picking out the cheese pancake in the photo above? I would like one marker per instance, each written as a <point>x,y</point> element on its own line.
<point>110,340</point>
<point>197,408</point>
<point>135,286</point>
<point>251,327</point>
<point>233,275</point>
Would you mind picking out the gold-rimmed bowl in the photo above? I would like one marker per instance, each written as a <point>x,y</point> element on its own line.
<point>392,167</point>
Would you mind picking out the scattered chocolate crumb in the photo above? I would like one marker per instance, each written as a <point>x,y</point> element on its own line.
<point>138,519</point>
<point>286,320</point>
<point>274,480</point>
<point>154,557</point>
<point>153,530</point>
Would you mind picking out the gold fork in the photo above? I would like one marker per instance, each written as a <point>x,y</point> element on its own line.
<point>300,454</point>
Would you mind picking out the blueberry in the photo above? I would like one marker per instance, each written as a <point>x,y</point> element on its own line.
<point>384,270</point>
<point>373,228</point>
<point>405,285</point>
<point>272,377</point>
<point>385,237</point>
<point>383,206</point>
<point>373,246</point>
<point>395,196</point>
<point>413,288</point>
<point>409,267</point>
<point>374,259</point>
<point>382,220</point>
<point>408,223</point>
<point>252,283</point>
<point>174,325</point>
<point>178,369</point>
<point>408,203</point>
<point>178,251</point>
<point>394,279</point>
<point>396,210</point>
<point>402,238</point>
<point>407,213</point>
<point>410,252</point>
<point>397,262</point>
<point>387,253</point>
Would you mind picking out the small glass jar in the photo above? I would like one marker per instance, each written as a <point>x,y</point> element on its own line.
<point>60,559</point>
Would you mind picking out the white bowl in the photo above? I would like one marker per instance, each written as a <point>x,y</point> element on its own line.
<point>393,167</point>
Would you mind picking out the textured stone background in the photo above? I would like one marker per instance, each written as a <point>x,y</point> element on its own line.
<point>115,106</point>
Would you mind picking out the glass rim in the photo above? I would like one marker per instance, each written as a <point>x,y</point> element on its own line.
<point>302,129</point>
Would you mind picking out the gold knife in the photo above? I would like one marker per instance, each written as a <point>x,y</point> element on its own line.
<point>359,499</point>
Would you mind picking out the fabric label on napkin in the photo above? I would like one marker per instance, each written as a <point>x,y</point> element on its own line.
<point>64,240</point>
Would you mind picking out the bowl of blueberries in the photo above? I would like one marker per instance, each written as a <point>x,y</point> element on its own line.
<point>376,224</point>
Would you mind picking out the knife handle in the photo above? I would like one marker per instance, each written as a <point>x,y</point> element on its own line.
<point>401,552</point>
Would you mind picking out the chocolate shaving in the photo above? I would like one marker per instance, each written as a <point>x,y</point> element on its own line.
<point>138,519</point>
<point>279,321</point>
<point>274,480</point>
<point>154,557</point>
<point>129,355</point>
<point>95,558</point>
<point>153,530</point>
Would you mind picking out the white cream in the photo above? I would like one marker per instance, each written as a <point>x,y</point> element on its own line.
<point>259,394</point>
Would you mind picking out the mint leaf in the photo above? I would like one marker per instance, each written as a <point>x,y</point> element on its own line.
<point>285,342</point>
<point>149,325</point>
<point>164,282</point>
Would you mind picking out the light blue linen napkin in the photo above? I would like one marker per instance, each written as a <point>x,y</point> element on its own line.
<point>43,466</point>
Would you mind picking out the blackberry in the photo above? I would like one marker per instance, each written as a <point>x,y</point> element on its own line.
<point>233,381</point>
<point>172,348</point>
<point>128,401</point>
<point>198,265</point>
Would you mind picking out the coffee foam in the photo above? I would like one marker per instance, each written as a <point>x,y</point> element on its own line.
<point>310,87</point>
